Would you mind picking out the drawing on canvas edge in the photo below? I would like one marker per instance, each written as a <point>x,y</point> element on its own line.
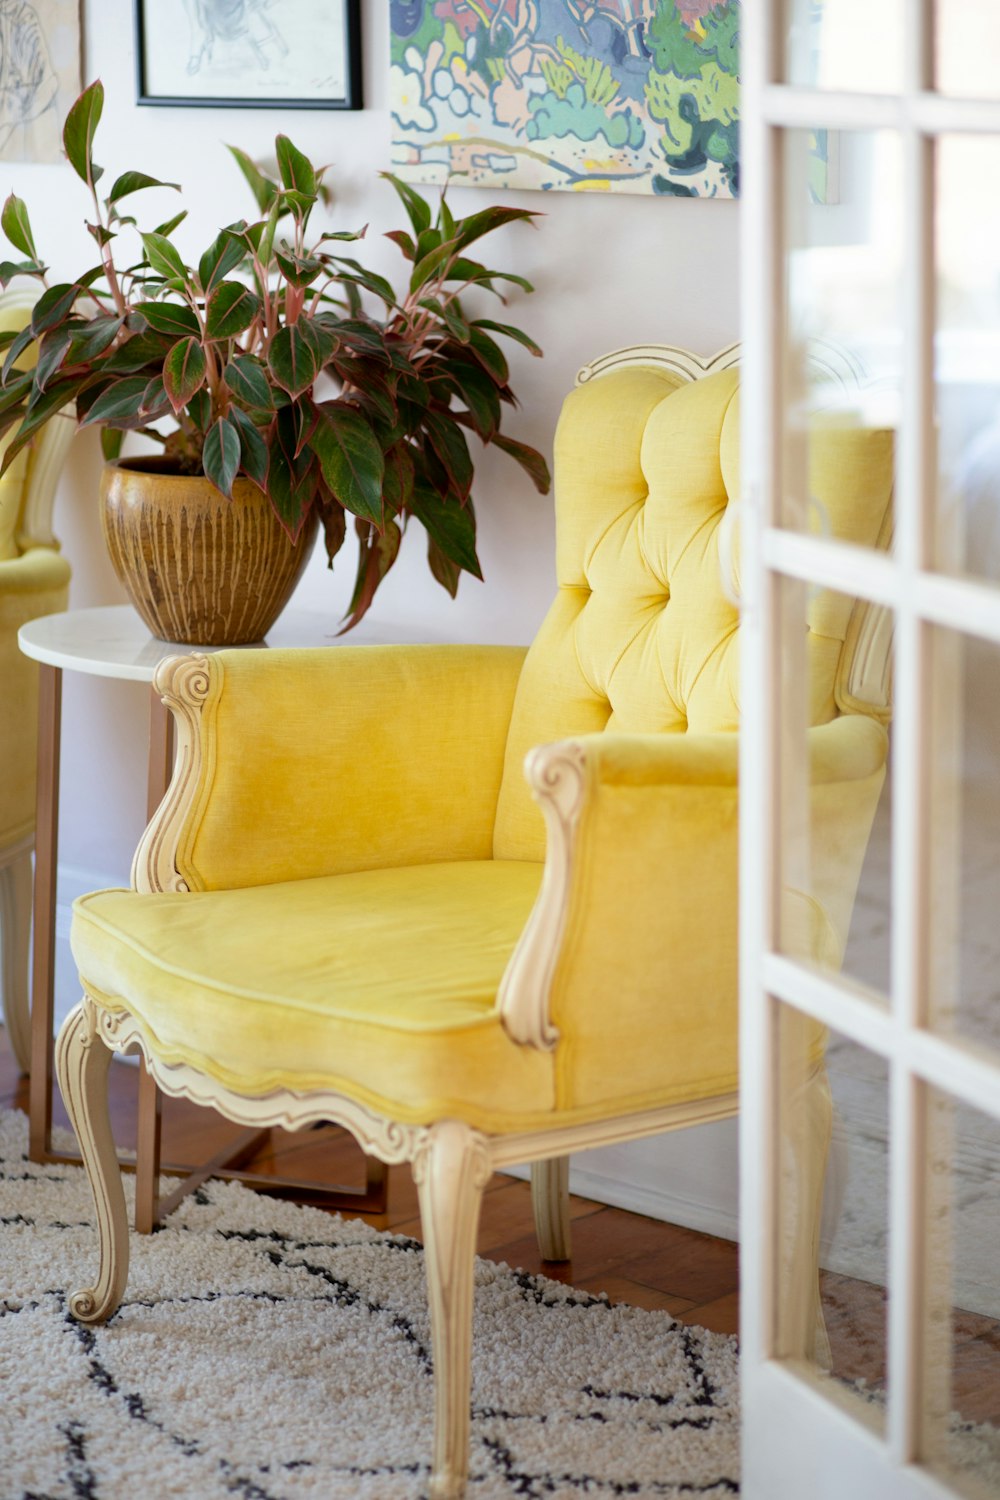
<point>39,76</point>
<point>638,96</point>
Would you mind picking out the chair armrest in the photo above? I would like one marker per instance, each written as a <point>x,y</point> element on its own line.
<point>40,570</point>
<point>639,896</point>
<point>299,763</point>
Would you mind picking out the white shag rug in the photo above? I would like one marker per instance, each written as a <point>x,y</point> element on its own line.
<point>269,1352</point>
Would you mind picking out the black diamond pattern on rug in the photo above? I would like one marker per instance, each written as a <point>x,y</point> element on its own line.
<point>270,1352</point>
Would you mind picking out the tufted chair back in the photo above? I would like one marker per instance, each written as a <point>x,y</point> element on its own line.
<point>641,637</point>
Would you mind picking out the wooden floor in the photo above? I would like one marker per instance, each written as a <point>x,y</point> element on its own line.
<point>633,1259</point>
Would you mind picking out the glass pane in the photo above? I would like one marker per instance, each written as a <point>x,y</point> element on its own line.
<point>963,1297</point>
<point>834,1122</point>
<point>844,358</point>
<point>836,44</point>
<point>836,815</point>
<point>964,872</point>
<point>967,353</point>
<point>967,46</point>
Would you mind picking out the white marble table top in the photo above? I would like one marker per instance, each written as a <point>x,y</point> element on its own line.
<point>112,641</point>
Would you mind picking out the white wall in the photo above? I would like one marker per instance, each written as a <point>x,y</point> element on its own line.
<point>609,271</point>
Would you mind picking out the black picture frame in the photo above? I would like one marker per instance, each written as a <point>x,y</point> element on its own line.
<point>345,14</point>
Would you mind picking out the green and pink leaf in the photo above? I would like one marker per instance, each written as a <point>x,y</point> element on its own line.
<point>221,455</point>
<point>451,526</point>
<point>231,307</point>
<point>184,372</point>
<point>351,459</point>
<point>79,130</point>
<point>293,360</point>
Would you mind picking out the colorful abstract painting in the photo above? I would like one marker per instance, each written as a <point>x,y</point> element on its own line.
<point>635,96</point>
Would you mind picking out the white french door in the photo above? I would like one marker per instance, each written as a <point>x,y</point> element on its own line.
<point>871,293</point>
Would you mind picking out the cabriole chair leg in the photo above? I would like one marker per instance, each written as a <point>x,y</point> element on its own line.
<point>450,1168</point>
<point>15,936</point>
<point>550,1204</point>
<point>82,1062</point>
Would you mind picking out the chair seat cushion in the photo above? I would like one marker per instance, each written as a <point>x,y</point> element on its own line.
<point>380,984</point>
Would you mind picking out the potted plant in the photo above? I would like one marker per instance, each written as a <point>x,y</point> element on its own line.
<point>275,390</point>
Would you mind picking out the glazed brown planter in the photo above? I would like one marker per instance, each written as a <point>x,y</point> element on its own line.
<point>200,569</point>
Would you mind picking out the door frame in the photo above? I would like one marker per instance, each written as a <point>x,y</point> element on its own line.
<point>800,1436</point>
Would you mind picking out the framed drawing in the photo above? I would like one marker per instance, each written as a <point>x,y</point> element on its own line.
<point>39,76</point>
<point>627,96</point>
<point>250,54</point>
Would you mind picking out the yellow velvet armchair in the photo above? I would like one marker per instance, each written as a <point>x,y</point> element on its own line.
<point>478,904</point>
<point>34,580</point>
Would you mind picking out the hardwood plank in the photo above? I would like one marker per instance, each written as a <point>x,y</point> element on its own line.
<point>621,1289</point>
<point>976,1367</point>
<point>506,1212</point>
<point>970,1325</point>
<point>855,1317</point>
<point>609,1241</point>
<point>721,1315</point>
<point>686,1263</point>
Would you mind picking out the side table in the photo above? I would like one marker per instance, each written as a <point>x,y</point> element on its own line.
<point>113,642</point>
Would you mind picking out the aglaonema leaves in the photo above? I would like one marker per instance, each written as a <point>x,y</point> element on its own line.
<point>53,306</point>
<point>165,258</point>
<point>173,318</point>
<point>451,526</point>
<point>278,357</point>
<point>290,486</point>
<point>452,451</point>
<point>254,448</point>
<point>120,402</point>
<point>443,568</point>
<point>293,360</point>
<point>134,182</point>
<point>221,455</point>
<point>111,443</point>
<point>297,171</point>
<point>378,550</point>
<point>17,227</point>
<point>351,458</point>
<point>530,459</point>
<point>79,130</point>
<point>247,381</point>
<point>225,253</point>
<point>184,372</point>
<point>231,307</point>
<point>263,188</point>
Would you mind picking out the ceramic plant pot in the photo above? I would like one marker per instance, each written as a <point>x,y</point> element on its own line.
<point>200,569</point>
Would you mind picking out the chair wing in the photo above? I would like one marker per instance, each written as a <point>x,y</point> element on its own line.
<point>355,758</point>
